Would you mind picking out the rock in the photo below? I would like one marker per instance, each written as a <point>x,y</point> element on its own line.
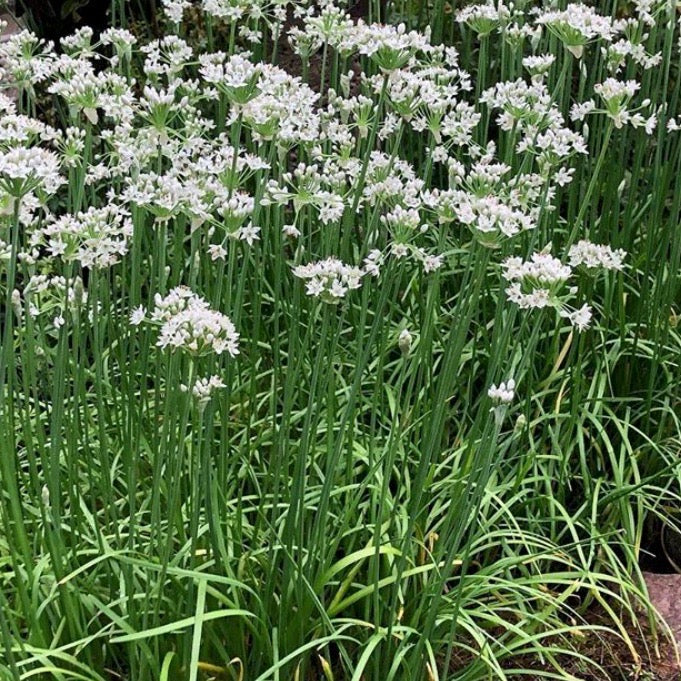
<point>665,595</point>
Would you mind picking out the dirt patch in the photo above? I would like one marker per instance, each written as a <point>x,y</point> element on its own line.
<point>655,658</point>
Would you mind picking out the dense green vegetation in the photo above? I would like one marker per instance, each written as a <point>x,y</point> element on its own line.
<point>336,347</point>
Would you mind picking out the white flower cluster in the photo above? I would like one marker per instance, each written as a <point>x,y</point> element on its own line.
<point>535,283</point>
<point>86,91</point>
<point>174,9</point>
<point>98,237</point>
<point>538,65</point>
<point>617,53</point>
<point>26,60</point>
<point>503,393</point>
<point>284,109</point>
<point>541,281</point>
<point>231,11</point>
<point>390,47</point>
<point>525,104</point>
<point>484,19</point>
<point>530,110</point>
<point>168,150</point>
<point>236,77</point>
<point>577,25</point>
<point>616,96</point>
<point>29,169</point>
<point>595,256</point>
<point>203,389</point>
<point>52,296</point>
<point>122,41</point>
<point>483,199</point>
<point>307,186</point>
<point>188,323</point>
<point>329,279</point>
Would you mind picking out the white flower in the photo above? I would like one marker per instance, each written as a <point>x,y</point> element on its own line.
<point>594,255</point>
<point>503,393</point>
<point>579,111</point>
<point>539,65</point>
<point>174,9</point>
<point>203,389</point>
<point>432,263</point>
<point>137,315</point>
<point>399,250</point>
<point>372,263</point>
<point>217,252</point>
<point>579,318</point>
<point>650,124</point>
<point>248,233</point>
<point>291,231</point>
<point>440,154</point>
<point>564,176</point>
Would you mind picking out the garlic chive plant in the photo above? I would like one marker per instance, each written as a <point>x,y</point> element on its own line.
<point>332,346</point>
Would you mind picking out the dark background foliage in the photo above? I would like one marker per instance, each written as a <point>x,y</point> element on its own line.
<point>53,19</point>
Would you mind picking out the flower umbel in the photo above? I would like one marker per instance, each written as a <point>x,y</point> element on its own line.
<point>329,279</point>
<point>188,323</point>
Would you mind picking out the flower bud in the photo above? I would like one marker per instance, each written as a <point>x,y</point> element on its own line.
<point>46,497</point>
<point>78,292</point>
<point>520,423</point>
<point>404,342</point>
<point>16,304</point>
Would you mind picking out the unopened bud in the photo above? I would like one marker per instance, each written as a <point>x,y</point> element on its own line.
<point>16,304</point>
<point>520,423</point>
<point>326,668</point>
<point>404,342</point>
<point>46,497</point>
<point>78,292</point>
<point>345,83</point>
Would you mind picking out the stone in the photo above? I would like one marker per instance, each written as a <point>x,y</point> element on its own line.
<point>664,591</point>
